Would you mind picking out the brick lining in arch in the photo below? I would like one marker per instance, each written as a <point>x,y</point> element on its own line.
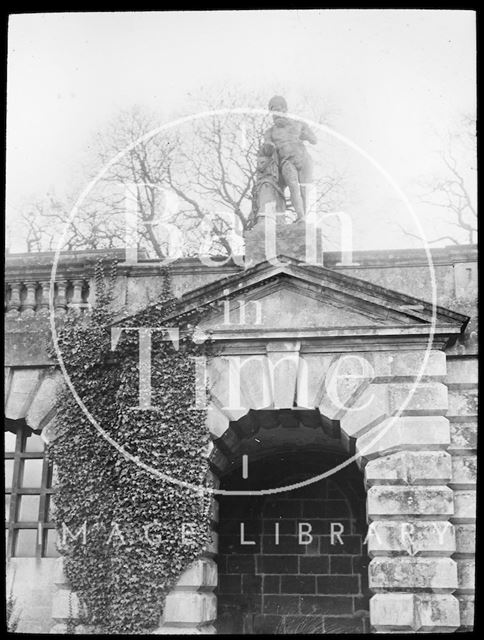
<point>290,587</point>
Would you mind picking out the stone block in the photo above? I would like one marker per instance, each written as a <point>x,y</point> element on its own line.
<point>190,607</point>
<point>283,371</point>
<point>462,402</point>
<point>465,539</point>
<point>466,605</point>
<point>23,385</point>
<point>466,572</point>
<point>170,630</point>
<point>311,378</point>
<point>380,401</point>
<point>408,364</point>
<point>392,612</point>
<point>464,472</point>
<point>346,380</point>
<point>410,467</point>
<point>414,612</point>
<point>414,538</point>
<point>43,403</point>
<point>463,437</point>
<point>429,398</point>
<point>436,612</point>
<point>213,545</point>
<point>462,371</point>
<point>217,421</point>
<point>396,501</point>
<point>65,605</point>
<point>464,507</point>
<point>426,432</point>
<point>201,574</point>
<point>404,573</point>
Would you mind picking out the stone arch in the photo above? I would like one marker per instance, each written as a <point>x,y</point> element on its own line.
<point>30,396</point>
<point>407,469</point>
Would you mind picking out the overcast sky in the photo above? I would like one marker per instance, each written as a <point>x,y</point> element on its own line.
<point>391,76</point>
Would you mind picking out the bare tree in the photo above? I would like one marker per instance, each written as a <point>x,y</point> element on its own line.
<point>207,165</point>
<point>453,191</point>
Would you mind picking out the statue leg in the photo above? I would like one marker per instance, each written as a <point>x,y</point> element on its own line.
<point>290,175</point>
<point>305,176</point>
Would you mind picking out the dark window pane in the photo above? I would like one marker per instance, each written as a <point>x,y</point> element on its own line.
<point>26,541</point>
<point>50,539</point>
<point>32,473</point>
<point>8,473</point>
<point>28,509</point>
<point>34,443</point>
<point>10,439</point>
<point>7,508</point>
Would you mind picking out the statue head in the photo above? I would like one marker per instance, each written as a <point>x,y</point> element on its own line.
<point>278,103</point>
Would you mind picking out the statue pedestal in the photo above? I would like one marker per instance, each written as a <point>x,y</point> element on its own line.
<point>272,237</point>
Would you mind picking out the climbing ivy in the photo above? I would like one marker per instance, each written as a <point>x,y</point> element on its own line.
<point>125,534</point>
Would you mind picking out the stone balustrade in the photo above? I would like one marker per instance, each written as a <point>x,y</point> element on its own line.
<point>31,297</point>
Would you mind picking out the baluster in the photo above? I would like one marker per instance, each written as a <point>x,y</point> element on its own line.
<point>44,300</point>
<point>29,304</point>
<point>76,300</point>
<point>61,300</point>
<point>14,302</point>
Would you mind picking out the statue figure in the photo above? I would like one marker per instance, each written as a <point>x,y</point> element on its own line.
<point>268,189</point>
<point>287,137</point>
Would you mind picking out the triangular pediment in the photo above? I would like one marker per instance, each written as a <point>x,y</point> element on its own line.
<point>295,296</point>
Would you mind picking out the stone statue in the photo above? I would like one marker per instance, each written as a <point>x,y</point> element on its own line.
<point>268,191</point>
<point>294,163</point>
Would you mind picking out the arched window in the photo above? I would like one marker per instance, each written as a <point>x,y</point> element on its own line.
<point>30,531</point>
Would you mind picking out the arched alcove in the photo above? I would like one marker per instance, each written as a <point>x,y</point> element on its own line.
<point>289,561</point>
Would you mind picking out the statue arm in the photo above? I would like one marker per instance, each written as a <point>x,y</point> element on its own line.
<point>308,134</point>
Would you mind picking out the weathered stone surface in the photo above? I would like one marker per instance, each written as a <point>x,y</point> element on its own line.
<point>406,573</point>
<point>410,467</point>
<point>206,629</point>
<point>23,386</point>
<point>408,364</point>
<point>312,376</point>
<point>437,612</point>
<point>414,612</point>
<point>43,403</point>
<point>462,402</point>
<point>283,371</point>
<point>190,607</point>
<point>218,381</point>
<point>466,572</point>
<point>410,433</point>
<point>201,574</point>
<point>213,545</point>
<point>462,370</point>
<point>464,507</point>
<point>394,501</point>
<point>464,472</point>
<point>414,538</point>
<point>65,605</point>
<point>217,421</point>
<point>463,437</point>
<point>380,401</point>
<point>466,605</point>
<point>346,379</point>
<point>465,539</point>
